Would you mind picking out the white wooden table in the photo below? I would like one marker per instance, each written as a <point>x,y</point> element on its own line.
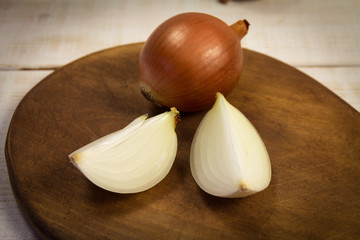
<point>320,38</point>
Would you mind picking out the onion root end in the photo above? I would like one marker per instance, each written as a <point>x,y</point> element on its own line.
<point>148,94</point>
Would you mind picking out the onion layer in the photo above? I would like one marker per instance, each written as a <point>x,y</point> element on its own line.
<point>189,58</point>
<point>132,159</point>
<point>228,157</point>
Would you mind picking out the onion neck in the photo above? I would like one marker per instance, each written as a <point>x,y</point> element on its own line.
<point>241,28</point>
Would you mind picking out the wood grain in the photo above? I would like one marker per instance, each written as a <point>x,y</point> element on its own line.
<point>47,34</point>
<point>320,38</point>
<point>13,86</point>
<point>343,81</point>
<point>313,138</point>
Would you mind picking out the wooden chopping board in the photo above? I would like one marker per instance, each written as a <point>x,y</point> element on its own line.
<point>312,136</point>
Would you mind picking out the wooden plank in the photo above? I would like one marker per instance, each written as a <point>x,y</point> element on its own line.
<point>52,33</point>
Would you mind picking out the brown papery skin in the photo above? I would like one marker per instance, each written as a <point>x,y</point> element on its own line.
<point>189,58</point>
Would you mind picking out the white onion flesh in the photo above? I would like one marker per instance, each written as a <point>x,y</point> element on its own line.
<point>228,157</point>
<point>132,159</point>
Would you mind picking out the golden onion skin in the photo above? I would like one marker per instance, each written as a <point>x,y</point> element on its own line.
<point>188,59</point>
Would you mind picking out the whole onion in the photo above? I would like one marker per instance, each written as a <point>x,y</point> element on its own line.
<point>189,58</point>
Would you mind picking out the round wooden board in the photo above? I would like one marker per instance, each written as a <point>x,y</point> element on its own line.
<point>312,136</point>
